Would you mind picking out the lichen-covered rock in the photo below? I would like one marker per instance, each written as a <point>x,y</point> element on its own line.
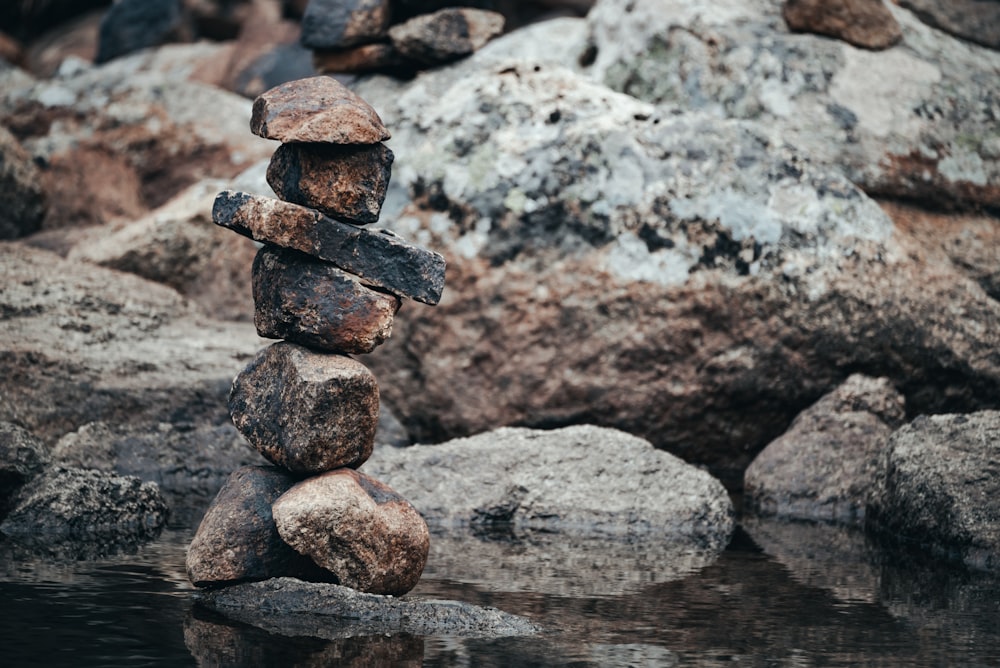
<point>237,540</point>
<point>577,480</point>
<point>823,467</point>
<point>318,109</point>
<point>973,20</point>
<point>936,485</point>
<point>345,182</point>
<point>338,24</point>
<point>311,302</point>
<point>357,528</point>
<point>444,35</point>
<point>378,257</point>
<point>22,457</point>
<point>22,201</point>
<point>84,505</point>
<point>305,411</point>
<point>864,23</point>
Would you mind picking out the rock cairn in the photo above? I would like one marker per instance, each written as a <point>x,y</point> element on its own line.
<point>330,288</point>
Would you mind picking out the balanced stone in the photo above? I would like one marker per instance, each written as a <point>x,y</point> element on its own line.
<point>446,34</point>
<point>345,182</point>
<point>358,528</point>
<point>301,299</point>
<point>379,257</point>
<point>317,109</point>
<point>237,540</point>
<point>304,411</point>
<point>336,24</point>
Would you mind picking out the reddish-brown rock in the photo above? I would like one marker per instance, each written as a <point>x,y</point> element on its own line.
<point>364,58</point>
<point>311,302</point>
<point>237,540</point>
<point>317,109</point>
<point>358,528</point>
<point>379,257</point>
<point>864,23</point>
<point>345,182</point>
<point>307,412</point>
<point>446,34</point>
<point>336,24</point>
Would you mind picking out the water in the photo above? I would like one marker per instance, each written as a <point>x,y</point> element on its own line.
<point>781,595</point>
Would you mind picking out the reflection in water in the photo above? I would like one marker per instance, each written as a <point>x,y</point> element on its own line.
<point>781,595</point>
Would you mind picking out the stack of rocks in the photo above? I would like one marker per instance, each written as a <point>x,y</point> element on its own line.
<point>330,288</point>
<point>356,36</point>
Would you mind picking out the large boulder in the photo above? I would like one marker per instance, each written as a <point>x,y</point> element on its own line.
<point>691,280</point>
<point>936,486</point>
<point>906,122</point>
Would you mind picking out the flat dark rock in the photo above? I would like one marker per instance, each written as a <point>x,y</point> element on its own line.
<point>290,607</point>
<point>379,257</point>
<point>337,24</point>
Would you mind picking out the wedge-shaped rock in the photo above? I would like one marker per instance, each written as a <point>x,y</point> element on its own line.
<point>345,182</point>
<point>307,412</point>
<point>301,299</point>
<point>446,34</point>
<point>358,528</point>
<point>317,109</point>
<point>379,257</point>
<point>336,24</point>
<point>237,540</point>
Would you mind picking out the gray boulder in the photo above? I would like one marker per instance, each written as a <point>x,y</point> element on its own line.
<point>823,467</point>
<point>22,457</point>
<point>584,481</point>
<point>937,486</point>
<point>286,606</point>
<point>907,122</point>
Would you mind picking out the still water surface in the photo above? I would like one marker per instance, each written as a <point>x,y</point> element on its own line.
<point>781,595</point>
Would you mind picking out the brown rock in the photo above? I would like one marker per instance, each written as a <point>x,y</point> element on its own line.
<point>379,257</point>
<point>307,412</point>
<point>364,58</point>
<point>317,109</point>
<point>864,23</point>
<point>446,34</point>
<point>10,49</point>
<point>333,24</point>
<point>237,540</point>
<point>311,302</point>
<point>22,201</point>
<point>345,182</point>
<point>361,530</point>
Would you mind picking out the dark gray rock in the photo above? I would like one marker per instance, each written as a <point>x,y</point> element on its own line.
<point>344,182</point>
<point>445,35</point>
<point>305,411</point>
<point>357,528</point>
<point>307,301</point>
<point>864,23</point>
<point>83,505</point>
<point>379,257</point>
<point>974,20</point>
<point>22,457</point>
<point>823,467</point>
<point>337,24</point>
<point>237,539</point>
<point>291,607</point>
<point>582,480</point>
<point>131,25</point>
<point>22,201</point>
<point>938,484</point>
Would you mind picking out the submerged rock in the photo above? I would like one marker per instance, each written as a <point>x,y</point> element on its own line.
<point>286,606</point>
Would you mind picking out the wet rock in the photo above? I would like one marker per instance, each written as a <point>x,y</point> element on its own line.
<point>69,504</point>
<point>864,23</point>
<point>22,457</point>
<point>290,607</point>
<point>577,480</point>
<point>380,258</point>
<point>377,57</point>
<point>337,24</point>
<point>823,467</point>
<point>445,35</point>
<point>974,20</point>
<point>313,303</point>
<point>320,110</point>
<point>22,200</point>
<point>357,528</point>
<point>936,486</point>
<point>131,25</point>
<point>344,182</point>
<point>80,343</point>
<point>826,98</point>
<point>304,411</point>
<point>237,539</point>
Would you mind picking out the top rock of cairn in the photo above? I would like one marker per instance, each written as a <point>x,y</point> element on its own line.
<point>316,110</point>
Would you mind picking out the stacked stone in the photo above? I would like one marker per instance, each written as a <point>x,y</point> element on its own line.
<point>355,36</point>
<point>330,288</point>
